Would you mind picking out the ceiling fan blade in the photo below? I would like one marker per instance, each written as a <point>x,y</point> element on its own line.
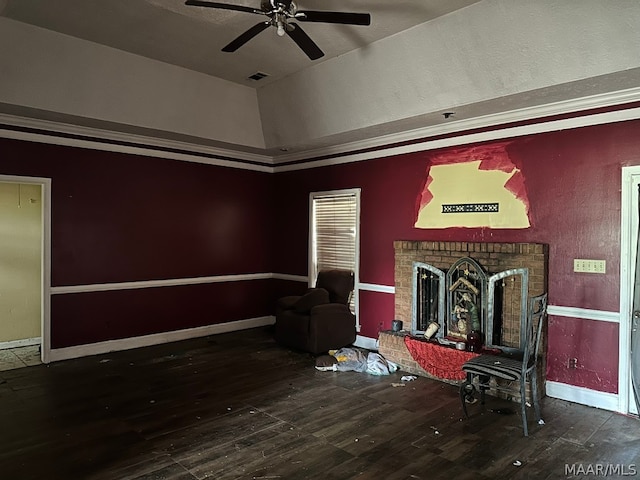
<point>303,40</point>
<point>246,36</point>
<point>345,18</point>
<point>224,6</point>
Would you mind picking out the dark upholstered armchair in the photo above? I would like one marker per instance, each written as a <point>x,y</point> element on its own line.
<point>319,320</point>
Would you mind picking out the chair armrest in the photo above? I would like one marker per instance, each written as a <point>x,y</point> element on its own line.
<point>332,316</point>
<point>330,309</point>
<point>287,303</point>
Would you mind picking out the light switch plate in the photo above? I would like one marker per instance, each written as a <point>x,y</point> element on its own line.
<point>589,266</point>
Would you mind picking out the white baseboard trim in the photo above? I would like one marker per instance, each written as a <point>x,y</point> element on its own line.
<point>174,282</point>
<point>559,311</point>
<point>583,313</point>
<point>584,396</point>
<point>24,342</point>
<point>99,348</point>
<point>372,287</point>
<point>366,342</point>
<point>293,278</point>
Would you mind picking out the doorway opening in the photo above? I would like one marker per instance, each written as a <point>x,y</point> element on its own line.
<point>25,273</point>
<point>628,246</point>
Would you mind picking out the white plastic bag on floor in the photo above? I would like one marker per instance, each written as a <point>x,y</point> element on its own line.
<point>378,365</point>
<point>350,359</point>
<point>359,360</point>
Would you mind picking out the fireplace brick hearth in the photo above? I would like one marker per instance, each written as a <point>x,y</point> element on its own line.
<point>492,257</point>
<point>392,346</point>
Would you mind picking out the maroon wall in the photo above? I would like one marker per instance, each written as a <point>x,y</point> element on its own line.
<point>124,218</point>
<point>83,318</point>
<point>573,181</point>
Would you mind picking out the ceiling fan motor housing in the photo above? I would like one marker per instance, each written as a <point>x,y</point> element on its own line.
<point>281,6</point>
<point>280,12</point>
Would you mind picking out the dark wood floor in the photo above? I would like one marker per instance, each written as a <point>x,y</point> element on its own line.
<point>237,406</point>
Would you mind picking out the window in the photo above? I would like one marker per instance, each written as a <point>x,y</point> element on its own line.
<point>335,233</point>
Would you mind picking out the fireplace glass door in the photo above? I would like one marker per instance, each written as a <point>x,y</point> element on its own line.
<point>428,298</point>
<point>507,309</point>
<point>466,290</point>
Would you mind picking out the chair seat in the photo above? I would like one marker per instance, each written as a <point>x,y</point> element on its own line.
<point>515,365</point>
<point>495,366</point>
<point>319,320</point>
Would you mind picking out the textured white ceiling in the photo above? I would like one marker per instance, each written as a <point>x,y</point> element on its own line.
<point>191,37</point>
<point>71,61</point>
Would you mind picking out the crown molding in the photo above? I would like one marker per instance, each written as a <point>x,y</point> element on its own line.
<point>528,114</point>
<point>539,119</point>
<point>46,131</point>
<point>465,139</point>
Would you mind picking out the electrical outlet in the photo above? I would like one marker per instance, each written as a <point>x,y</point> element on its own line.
<point>572,363</point>
<point>589,266</point>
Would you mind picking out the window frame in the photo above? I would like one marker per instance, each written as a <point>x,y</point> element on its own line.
<point>312,267</point>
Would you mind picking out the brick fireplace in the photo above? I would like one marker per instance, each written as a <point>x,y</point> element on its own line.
<point>491,258</point>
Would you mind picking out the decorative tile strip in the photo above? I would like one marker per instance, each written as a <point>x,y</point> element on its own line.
<point>471,208</point>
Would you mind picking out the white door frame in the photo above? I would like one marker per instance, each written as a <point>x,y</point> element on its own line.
<point>45,265</point>
<point>628,243</point>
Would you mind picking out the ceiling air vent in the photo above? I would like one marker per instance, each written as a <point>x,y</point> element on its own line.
<point>258,76</point>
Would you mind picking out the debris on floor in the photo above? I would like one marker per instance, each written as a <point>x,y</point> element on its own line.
<point>356,360</point>
<point>503,411</point>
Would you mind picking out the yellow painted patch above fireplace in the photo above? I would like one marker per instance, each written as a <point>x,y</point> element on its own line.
<point>468,193</point>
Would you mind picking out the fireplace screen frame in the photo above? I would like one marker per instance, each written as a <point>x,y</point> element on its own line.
<point>465,277</point>
<point>416,309</point>
<point>487,285</point>
<point>523,273</point>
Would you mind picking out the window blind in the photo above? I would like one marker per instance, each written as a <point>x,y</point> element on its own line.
<point>334,234</point>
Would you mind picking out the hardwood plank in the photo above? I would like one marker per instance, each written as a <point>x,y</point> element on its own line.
<point>238,406</point>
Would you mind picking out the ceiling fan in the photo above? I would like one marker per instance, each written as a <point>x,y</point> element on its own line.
<point>280,13</point>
